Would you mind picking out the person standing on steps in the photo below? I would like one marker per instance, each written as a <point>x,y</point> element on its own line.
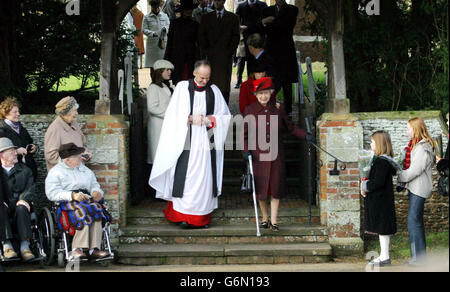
<point>268,160</point>
<point>278,22</point>
<point>188,166</point>
<point>219,37</point>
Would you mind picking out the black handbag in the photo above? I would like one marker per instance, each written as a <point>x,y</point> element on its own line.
<point>442,186</point>
<point>247,182</point>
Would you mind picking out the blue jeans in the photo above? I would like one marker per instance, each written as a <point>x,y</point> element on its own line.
<point>416,227</point>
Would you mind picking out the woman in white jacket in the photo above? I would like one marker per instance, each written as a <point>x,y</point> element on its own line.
<point>155,26</point>
<point>419,161</point>
<point>158,98</point>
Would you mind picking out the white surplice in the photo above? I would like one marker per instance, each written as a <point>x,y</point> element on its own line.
<point>198,196</point>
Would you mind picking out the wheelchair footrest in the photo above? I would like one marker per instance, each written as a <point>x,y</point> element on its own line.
<point>5,260</point>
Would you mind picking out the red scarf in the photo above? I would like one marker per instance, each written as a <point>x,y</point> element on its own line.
<point>407,161</point>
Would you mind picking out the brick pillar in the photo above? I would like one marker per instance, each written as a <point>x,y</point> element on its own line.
<point>339,198</point>
<point>107,137</point>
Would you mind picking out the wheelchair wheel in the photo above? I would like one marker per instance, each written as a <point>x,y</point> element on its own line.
<point>47,229</point>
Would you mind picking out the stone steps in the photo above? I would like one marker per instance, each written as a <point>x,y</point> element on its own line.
<point>212,254</point>
<point>146,216</point>
<point>226,234</point>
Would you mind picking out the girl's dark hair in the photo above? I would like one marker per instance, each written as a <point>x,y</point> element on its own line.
<point>157,77</point>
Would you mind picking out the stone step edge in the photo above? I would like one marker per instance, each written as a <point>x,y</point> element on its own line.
<point>150,230</point>
<point>223,250</point>
<point>227,213</point>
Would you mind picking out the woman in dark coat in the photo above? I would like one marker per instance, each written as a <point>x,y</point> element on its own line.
<point>268,165</point>
<point>378,190</point>
<point>12,128</point>
<point>182,45</point>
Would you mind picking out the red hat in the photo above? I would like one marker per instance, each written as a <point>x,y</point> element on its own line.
<point>263,83</point>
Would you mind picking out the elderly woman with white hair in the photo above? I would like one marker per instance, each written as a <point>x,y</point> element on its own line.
<point>80,212</point>
<point>64,129</point>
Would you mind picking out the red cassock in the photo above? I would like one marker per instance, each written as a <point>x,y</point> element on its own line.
<point>194,220</point>
<point>270,176</point>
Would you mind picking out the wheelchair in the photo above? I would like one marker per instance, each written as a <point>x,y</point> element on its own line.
<point>57,244</point>
<point>37,243</point>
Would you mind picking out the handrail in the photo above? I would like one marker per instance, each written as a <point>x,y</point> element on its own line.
<point>335,171</point>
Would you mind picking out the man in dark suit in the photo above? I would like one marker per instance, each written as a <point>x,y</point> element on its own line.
<point>249,12</point>
<point>218,37</point>
<point>278,22</point>
<point>255,43</point>
<point>182,45</point>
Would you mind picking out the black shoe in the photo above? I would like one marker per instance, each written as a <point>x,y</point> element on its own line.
<point>274,227</point>
<point>237,85</point>
<point>184,225</point>
<point>265,224</point>
<point>380,263</point>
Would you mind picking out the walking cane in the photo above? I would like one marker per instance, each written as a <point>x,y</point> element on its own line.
<point>254,194</point>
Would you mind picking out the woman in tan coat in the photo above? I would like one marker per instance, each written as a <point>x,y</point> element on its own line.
<point>63,130</point>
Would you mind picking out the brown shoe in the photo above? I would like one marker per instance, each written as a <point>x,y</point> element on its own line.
<point>78,254</point>
<point>99,254</point>
<point>9,253</point>
<point>27,255</point>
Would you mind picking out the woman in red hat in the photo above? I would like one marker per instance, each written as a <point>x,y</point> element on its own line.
<point>267,152</point>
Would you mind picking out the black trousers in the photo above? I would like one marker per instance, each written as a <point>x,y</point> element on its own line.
<point>240,68</point>
<point>15,220</point>
<point>287,93</point>
<point>2,225</point>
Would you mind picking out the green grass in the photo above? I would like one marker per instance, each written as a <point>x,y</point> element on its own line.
<point>399,247</point>
<point>73,83</point>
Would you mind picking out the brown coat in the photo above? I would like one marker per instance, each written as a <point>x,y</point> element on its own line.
<point>59,133</point>
<point>219,42</point>
<point>138,17</point>
<point>270,176</point>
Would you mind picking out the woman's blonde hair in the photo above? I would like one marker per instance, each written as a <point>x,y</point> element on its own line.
<point>420,132</point>
<point>7,105</point>
<point>383,144</point>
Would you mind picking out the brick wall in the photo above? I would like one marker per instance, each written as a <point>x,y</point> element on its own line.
<point>338,197</point>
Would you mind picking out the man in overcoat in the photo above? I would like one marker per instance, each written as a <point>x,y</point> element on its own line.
<point>219,37</point>
<point>182,45</point>
<point>20,192</point>
<point>250,13</point>
<point>278,22</point>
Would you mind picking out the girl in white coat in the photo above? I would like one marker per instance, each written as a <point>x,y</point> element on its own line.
<point>158,97</point>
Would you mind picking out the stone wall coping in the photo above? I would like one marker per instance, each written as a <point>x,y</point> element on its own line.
<point>337,117</point>
<point>398,115</point>
<point>47,117</point>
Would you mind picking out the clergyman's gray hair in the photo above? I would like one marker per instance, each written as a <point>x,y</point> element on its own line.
<point>200,63</point>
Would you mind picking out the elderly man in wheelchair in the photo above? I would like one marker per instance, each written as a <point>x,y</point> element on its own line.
<point>17,190</point>
<point>80,212</point>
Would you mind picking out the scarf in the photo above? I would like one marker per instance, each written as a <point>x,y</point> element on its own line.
<point>407,161</point>
<point>14,125</point>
